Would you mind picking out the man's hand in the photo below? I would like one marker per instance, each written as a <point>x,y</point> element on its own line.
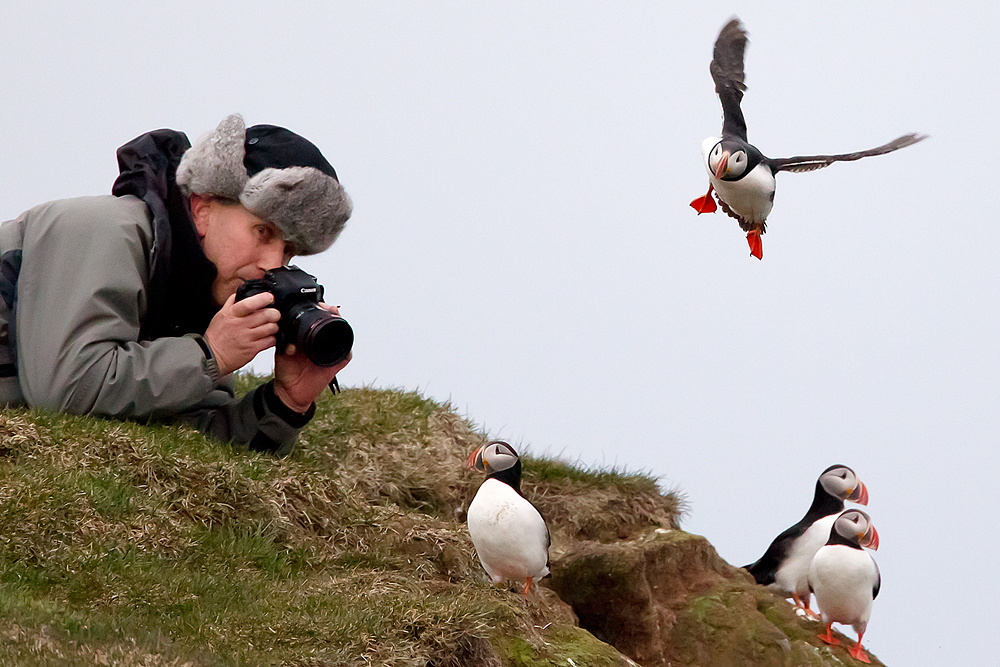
<point>241,330</point>
<point>298,382</point>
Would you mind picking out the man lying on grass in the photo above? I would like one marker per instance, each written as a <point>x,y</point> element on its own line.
<point>124,305</point>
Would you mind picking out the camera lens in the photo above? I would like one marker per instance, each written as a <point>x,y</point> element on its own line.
<point>325,338</point>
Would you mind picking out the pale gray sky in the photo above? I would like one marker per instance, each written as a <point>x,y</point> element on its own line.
<point>522,243</point>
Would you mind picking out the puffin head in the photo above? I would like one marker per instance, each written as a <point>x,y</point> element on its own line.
<point>731,160</point>
<point>856,526</point>
<point>493,457</point>
<point>842,482</point>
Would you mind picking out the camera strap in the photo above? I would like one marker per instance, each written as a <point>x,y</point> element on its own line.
<point>334,386</point>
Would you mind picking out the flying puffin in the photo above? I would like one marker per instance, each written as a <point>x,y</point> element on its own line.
<point>784,567</point>
<point>845,578</point>
<point>509,534</point>
<point>742,177</point>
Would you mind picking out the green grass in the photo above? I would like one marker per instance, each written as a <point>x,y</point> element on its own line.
<point>131,544</point>
<point>554,471</point>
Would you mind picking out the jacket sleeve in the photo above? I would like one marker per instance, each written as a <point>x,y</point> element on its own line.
<point>81,297</point>
<point>259,419</point>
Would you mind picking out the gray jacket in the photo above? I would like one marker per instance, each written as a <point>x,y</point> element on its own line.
<point>75,281</point>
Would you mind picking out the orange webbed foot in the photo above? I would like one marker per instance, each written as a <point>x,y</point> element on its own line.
<point>859,653</point>
<point>828,638</point>
<point>705,204</point>
<point>756,245</point>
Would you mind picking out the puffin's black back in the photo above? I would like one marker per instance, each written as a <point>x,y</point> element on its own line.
<point>765,569</point>
<point>510,476</point>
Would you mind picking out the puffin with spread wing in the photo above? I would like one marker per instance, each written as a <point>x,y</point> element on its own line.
<point>741,176</point>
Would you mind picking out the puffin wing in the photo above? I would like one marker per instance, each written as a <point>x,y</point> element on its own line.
<point>878,580</point>
<point>766,567</point>
<point>813,162</point>
<point>548,535</point>
<point>727,72</point>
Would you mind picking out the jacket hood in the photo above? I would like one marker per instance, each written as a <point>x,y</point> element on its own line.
<point>180,275</point>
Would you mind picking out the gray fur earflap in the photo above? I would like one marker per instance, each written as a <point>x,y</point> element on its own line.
<point>214,164</point>
<point>307,204</point>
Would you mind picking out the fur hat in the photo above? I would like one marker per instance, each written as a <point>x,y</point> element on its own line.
<point>276,174</point>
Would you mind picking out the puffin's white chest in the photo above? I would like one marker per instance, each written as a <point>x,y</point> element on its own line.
<point>842,579</point>
<point>508,532</point>
<point>792,576</point>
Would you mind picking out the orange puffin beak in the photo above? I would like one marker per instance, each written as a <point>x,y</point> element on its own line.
<point>860,494</point>
<point>720,169</point>
<point>870,539</point>
<point>475,460</point>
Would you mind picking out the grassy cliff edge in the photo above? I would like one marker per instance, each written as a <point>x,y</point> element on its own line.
<point>131,544</point>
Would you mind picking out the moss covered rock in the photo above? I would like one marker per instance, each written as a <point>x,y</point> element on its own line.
<point>669,599</point>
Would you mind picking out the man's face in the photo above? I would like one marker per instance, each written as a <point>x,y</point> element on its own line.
<point>241,245</point>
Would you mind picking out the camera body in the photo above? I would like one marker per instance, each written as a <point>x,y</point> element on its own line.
<point>325,338</point>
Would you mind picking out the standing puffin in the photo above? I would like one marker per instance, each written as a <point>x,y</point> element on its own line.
<point>845,578</point>
<point>784,567</point>
<point>743,178</point>
<point>509,534</point>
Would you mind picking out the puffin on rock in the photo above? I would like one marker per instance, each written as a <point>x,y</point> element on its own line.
<point>742,177</point>
<point>509,534</point>
<point>845,578</point>
<point>784,567</point>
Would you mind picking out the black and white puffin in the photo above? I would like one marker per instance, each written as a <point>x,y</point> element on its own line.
<point>784,567</point>
<point>509,534</point>
<point>845,578</point>
<point>742,177</point>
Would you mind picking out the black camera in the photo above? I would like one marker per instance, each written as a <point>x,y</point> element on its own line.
<point>325,338</point>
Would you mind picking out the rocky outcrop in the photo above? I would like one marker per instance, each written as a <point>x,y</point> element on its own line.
<point>668,600</point>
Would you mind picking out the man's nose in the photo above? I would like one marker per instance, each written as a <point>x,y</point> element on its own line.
<point>272,256</point>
